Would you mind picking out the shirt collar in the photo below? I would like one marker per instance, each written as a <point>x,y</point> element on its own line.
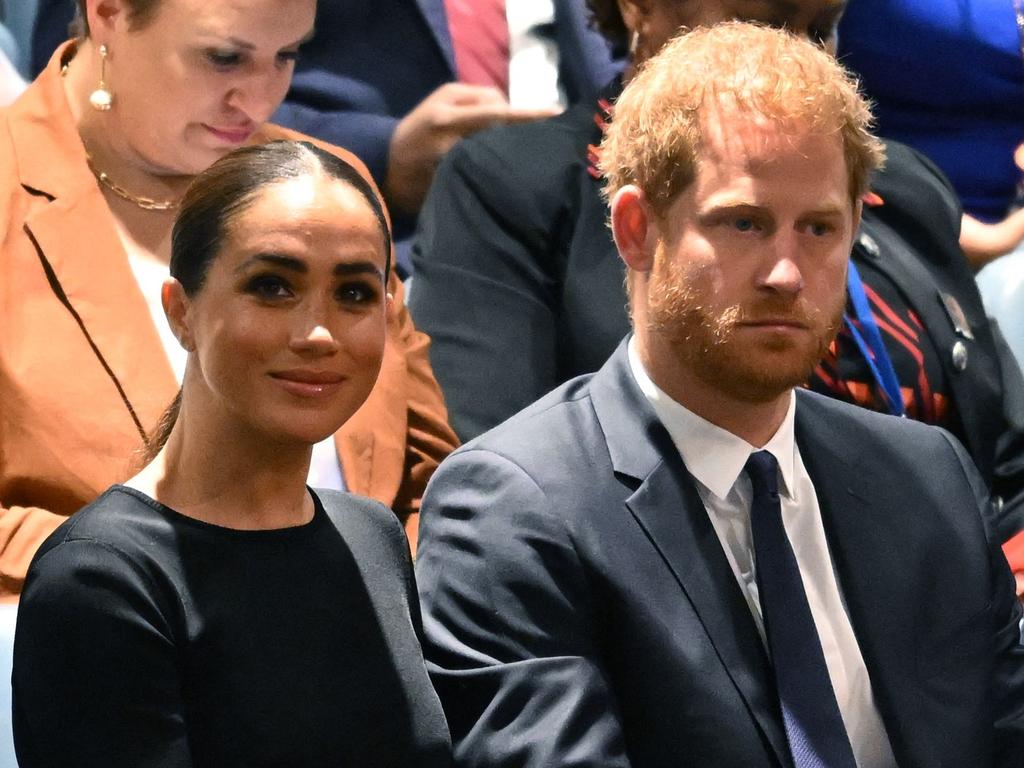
<point>714,456</point>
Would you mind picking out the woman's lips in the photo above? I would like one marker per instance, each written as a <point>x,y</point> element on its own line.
<point>311,384</point>
<point>231,135</point>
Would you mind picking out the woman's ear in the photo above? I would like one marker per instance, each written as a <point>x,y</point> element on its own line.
<point>176,307</point>
<point>103,16</point>
<point>634,228</point>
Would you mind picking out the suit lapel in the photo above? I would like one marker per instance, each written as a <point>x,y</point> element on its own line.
<point>867,541</point>
<point>76,240</point>
<point>437,20</point>
<point>668,508</point>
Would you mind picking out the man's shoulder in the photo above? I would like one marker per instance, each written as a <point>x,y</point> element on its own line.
<point>540,433</point>
<point>533,151</point>
<point>839,415</point>
<point>918,203</point>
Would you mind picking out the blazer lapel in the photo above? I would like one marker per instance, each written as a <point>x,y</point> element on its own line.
<point>437,20</point>
<point>866,541</point>
<point>668,508</point>
<point>76,239</point>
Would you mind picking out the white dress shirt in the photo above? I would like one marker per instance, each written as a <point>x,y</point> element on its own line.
<point>716,458</point>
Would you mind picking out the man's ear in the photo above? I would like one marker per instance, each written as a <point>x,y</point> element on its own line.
<point>176,306</point>
<point>634,228</point>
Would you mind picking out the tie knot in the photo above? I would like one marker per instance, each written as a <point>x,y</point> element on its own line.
<point>763,471</point>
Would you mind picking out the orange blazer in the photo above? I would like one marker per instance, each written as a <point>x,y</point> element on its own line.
<point>83,374</point>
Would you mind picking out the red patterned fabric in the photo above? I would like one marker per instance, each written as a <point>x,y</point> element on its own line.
<point>1014,551</point>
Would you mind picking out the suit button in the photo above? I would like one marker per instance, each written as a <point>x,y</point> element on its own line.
<point>997,505</point>
<point>960,356</point>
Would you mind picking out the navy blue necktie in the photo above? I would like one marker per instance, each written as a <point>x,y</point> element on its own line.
<point>814,727</point>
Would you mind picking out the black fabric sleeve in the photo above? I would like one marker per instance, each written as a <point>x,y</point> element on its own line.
<point>1005,613</point>
<point>1008,464</point>
<point>481,290</point>
<point>95,679</point>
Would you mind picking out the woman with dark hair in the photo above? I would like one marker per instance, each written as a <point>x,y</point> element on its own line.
<point>94,159</point>
<point>214,610</point>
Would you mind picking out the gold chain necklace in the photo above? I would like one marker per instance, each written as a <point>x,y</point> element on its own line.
<point>145,203</point>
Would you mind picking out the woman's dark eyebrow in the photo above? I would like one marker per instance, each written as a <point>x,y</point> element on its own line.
<point>285,262</point>
<point>298,265</point>
<point>358,268</point>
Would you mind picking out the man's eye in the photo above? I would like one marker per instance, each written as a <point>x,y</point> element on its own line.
<point>819,229</point>
<point>744,224</point>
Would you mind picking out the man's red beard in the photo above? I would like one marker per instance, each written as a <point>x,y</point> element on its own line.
<point>704,338</point>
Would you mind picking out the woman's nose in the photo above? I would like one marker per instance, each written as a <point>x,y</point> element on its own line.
<point>313,334</point>
<point>259,95</point>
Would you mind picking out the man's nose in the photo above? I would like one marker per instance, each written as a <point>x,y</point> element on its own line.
<point>783,273</point>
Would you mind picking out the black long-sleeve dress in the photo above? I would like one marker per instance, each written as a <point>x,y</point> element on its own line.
<point>148,638</point>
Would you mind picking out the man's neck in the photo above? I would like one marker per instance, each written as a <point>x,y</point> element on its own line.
<point>756,421</point>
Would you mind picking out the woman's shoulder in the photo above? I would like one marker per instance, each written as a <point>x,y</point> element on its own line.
<point>370,528</point>
<point>123,528</point>
<point>115,547</point>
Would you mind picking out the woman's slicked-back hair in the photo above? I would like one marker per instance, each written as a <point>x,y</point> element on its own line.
<point>230,185</point>
<point>140,13</point>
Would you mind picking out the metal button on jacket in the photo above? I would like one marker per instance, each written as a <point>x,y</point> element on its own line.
<point>960,356</point>
<point>868,243</point>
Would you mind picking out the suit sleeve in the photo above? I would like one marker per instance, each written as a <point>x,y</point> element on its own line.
<point>511,635</point>
<point>1005,613</point>
<point>1008,480</point>
<point>480,289</point>
<point>95,679</point>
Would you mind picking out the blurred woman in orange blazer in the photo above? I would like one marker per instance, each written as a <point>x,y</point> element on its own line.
<point>94,158</point>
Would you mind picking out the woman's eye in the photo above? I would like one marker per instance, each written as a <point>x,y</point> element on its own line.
<point>223,58</point>
<point>356,293</point>
<point>287,57</point>
<point>269,287</point>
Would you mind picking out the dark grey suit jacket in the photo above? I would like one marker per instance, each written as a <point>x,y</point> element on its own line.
<point>579,609</point>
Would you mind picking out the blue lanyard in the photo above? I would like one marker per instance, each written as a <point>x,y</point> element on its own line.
<point>872,348</point>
